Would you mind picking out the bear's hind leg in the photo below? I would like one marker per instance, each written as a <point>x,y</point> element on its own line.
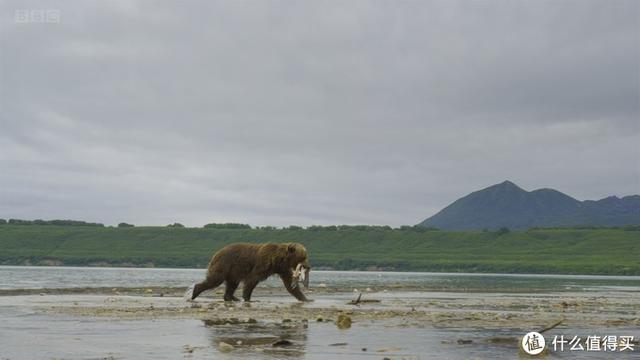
<point>209,283</point>
<point>230,290</point>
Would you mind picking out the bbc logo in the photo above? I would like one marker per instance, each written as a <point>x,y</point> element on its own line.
<point>37,16</point>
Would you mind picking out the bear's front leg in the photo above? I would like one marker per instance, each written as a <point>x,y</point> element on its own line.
<point>247,289</point>
<point>287,280</point>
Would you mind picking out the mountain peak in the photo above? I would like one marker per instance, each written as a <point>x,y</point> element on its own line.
<point>506,185</point>
<point>507,205</point>
<point>503,187</point>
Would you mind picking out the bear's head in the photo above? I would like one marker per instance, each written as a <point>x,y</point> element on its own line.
<point>296,254</point>
<point>296,258</point>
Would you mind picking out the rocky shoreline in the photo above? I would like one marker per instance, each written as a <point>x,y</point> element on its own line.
<point>387,321</point>
<point>396,306</point>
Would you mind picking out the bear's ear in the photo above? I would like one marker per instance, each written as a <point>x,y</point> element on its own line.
<point>292,248</point>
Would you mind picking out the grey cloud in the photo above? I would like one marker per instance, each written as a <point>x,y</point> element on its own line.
<point>284,112</point>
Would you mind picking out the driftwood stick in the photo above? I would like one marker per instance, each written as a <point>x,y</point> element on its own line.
<point>551,327</point>
<point>358,299</point>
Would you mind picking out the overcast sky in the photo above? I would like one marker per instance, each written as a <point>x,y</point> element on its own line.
<point>311,112</point>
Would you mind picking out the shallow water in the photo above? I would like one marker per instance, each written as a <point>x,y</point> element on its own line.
<point>28,334</point>
<point>79,338</point>
<point>30,277</point>
<point>30,331</point>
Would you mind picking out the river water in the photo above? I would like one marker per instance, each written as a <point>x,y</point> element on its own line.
<point>36,277</point>
<point>30,331</point>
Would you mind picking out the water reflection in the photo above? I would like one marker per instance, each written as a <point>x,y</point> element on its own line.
<point>271,339</point>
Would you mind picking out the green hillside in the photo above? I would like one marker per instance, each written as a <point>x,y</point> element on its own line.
<point>575,251</point>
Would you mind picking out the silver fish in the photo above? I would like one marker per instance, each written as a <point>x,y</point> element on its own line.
<point>300,274</point>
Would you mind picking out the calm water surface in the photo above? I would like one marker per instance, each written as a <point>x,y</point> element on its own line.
<point>33,277</point>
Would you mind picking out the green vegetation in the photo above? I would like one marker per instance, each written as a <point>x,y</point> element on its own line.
<point>562,250</point>
<point>49,222</point>
<point>176,225</point>
<point>227,226</point>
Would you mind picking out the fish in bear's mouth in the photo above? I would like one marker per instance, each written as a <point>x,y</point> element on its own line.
<point>300,273</point>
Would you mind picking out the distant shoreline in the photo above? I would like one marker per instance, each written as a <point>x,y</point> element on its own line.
<point>569,251</point>
<point>479,274</point>
<point>372,270</point>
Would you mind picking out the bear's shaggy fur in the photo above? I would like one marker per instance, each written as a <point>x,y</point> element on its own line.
<point>250,264</point>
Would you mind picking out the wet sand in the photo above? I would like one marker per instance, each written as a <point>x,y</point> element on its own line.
<point>392,322</point>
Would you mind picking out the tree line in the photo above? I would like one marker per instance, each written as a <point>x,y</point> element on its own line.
<point>315,228</point>
<point>414,228</point>
<point>49,222</point>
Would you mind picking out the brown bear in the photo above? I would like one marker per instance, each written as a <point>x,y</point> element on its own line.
<point>252,263</point>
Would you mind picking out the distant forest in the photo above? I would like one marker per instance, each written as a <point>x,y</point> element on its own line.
<point>414,228</point>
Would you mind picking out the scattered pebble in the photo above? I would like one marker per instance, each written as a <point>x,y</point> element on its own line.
<point>388,349</point>
<point>228,321</point>
<point>281,343</point>
<point>224,347</point>
<point>343,322</point>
